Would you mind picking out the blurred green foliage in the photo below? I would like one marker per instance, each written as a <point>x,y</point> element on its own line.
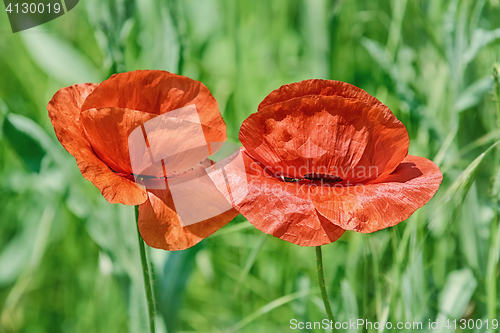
<point>69,260</point>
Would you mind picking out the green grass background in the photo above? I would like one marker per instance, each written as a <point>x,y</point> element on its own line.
<point>69,261</point>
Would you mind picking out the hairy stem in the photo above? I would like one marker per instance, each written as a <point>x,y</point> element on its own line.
<point>321,278</point>
<point>147,277</point>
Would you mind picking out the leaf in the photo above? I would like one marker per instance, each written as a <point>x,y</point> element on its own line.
<point>137,307</point>
<point>15,255</point>
<point>469,222</point>
<point>350,305</point>
<point>249,264</point>
<point>480,38</point>
<point>59,59</point>
<point>483,140</point>
<point>27,139</point>
<point>233,228</point>
<point>315,29</point>
<point>379,53</point>
<point>456,294</point>
<point>466,178</point>
<point>382,57</point>
<point>301,307</point>
<point>231,117</point>
<point>36,247</point>
<point>171,286</point>
<point>113,229</point>
<point>450,24</point>
<point>496,186</point>
<point>159,21</point>
<point>446,145</point>
<point>473,94</point>
<point>267,308</point>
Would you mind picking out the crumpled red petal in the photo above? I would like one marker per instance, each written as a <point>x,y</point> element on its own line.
<point>271,205</point>
<point>326,135</point>
<point>159,92</point>
<point>319,87</point>
<point>107,130</point>
<point>161,221</point>
<point>382,203</point>
<point>64,112</point>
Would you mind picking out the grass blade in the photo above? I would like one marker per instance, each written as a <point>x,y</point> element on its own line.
<point>267,308</point>
<point>248,265</point>
<point>466,178</point>
<point>456,294</point>
<point>59,59</point>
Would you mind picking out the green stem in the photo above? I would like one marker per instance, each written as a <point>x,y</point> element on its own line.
<point>321,278</point>
<point>496,77</point>
<point>147,276</point>
<point>491,279</point>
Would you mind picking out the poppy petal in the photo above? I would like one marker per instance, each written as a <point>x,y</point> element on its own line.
<point>319,87</point>
<point>169,219</point>
<point>275,207</point>
<point>159,92</point>
<point>115,188</point>
<point>382,203</point>
<point>64,112</point>
<point>326,135</point>
<point>158,144</point>
<point>108,129</point>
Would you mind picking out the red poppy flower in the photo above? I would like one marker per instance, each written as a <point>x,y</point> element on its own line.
<point>94,122</point>
<point>321,157</point>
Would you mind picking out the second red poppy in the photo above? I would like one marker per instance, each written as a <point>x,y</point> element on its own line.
<point>321,157</point>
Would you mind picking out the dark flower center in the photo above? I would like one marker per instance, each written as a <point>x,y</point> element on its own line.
<point>323,178</point>
<point>314,177</point>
